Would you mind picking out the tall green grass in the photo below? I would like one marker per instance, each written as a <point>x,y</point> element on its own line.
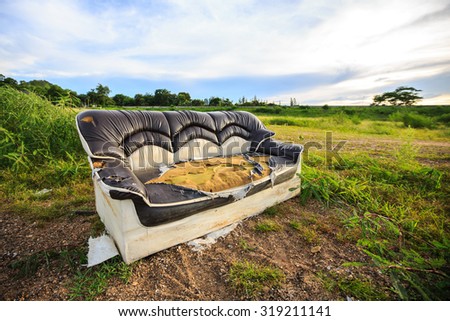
<point>33,131</point>
<point>395,209</point>
<point>40,149</point>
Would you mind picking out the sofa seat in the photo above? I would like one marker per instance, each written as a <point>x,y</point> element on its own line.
<point>216,174</point>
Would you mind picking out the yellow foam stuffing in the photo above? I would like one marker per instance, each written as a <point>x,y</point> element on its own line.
<point>214,174</point>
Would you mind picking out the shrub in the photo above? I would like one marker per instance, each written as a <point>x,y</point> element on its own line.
<point>340,118</point>
<point>417,121</point>
<point>355,119</point>
<point>268,110</point>
<point>412,120</point>
<point>445,119</point>
<point>283,122</point>
<point>397,116</point>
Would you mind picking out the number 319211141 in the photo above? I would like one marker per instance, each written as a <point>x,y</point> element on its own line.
<point>294,311</point>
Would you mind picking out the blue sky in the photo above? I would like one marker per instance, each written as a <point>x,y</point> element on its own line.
<point>317,51</point>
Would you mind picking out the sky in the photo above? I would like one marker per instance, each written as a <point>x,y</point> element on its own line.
<point>317,51</point>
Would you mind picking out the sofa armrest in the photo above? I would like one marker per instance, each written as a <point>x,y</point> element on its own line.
<point>258,137</point>
<point>121,182</point>
<point>277,148</point>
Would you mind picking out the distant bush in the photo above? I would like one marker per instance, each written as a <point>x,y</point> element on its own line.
<point>445,119</point>
<point>380,128</point>
<point>268,110</point>
<point>397,116</point>
<point>355,119</point>
<point>417,121</point>
<point>383,110</point>
<point>412,120</point>
<point>340,118</point>
<point>283,122</point>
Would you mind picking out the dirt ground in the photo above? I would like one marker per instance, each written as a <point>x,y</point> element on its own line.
<point>180,273</point>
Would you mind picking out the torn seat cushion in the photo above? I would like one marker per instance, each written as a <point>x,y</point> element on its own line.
<point>215,174</point>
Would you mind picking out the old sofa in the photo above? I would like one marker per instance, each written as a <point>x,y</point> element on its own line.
<point>126,149</point>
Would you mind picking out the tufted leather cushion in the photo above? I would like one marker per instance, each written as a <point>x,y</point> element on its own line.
<point>118,133</point>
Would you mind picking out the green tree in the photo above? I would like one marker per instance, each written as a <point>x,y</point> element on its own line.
<point>402,96</point>
<point>91,98</point>
<point>103,95</point>
<point>242,100</point>
<point>8,81</point>
<point>215,101</point>
<point>123,100</point>
<point>83,99</point>
<point>227,102</point>
<point>99,96</point>
<point>183,99</point>
<point>149,99</point>
<point>164,97</point>
<point>198,102</point>
<point>139,100</point>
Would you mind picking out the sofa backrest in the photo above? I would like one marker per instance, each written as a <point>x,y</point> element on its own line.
<point>153,138</point>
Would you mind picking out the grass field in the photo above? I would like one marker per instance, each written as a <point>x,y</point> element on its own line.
<point>375,179</point>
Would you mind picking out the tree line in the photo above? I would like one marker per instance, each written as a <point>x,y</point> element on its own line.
<point>100,96</point>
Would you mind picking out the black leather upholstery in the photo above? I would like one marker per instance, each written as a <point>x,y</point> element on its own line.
<point>276,148</point>
<point>117,133</point>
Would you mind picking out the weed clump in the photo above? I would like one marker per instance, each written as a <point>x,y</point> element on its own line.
<point>307,233</point>
<point>271,211</point>
<point>267,226</point>
<point>88,284</point>
<point>351,287</point>
<point>251,279</point>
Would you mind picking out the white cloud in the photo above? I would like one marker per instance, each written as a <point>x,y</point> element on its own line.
<point>383,39</point>
<point>437,100</point>
<point>360,89</point>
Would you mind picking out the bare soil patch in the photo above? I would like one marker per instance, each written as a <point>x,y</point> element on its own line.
<point>21,239</point>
